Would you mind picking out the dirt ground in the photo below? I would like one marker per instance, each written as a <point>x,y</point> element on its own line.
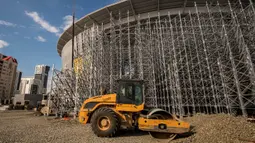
<point>24,127</point>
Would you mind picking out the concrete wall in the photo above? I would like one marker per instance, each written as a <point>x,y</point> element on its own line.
<point>67,55</point>
<point>32,98</point>
<point>19,98</point>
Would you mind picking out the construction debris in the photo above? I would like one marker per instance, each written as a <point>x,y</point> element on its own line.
<point>4,107</point>
<point>22,126</point>
<point>219,128</point>
<point>251,120</point>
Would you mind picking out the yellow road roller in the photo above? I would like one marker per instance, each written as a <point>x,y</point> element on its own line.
<point>107,113</point>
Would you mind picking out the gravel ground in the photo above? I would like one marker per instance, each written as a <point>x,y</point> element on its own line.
<point>24,127</point>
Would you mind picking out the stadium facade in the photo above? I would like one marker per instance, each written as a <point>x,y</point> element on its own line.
<point>194,56</point>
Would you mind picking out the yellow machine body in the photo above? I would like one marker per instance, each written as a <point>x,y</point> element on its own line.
<point>105,112</point>
<point>171,126</point>
<point>108,100</point>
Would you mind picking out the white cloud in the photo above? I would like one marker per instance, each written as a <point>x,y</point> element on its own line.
<point>26,37</point>
<point>3,44</point>
<point>67,6</point>
<point>40,38</point>
<point>6,23</point>
<point>44,24</point>
<point>16,33</point>
<point>68,21</point>
<point>77,7</point>
<point>58,34</point>
<point>2,35</point>
<point>81,8</point>
<point>22,26</point>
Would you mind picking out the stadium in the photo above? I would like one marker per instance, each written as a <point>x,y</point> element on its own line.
<point>193,56</point>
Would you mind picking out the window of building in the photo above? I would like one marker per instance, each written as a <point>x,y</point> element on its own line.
<point>34,89</point>
<point>26,103</point>
<point>18,103</point>
<point>45,97</point>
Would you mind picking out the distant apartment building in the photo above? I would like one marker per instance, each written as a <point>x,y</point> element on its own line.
<point>17,82</point>
<point>42,73</point>
<point>8,68</point>
<point>36,84</point>
<point>30,85</point>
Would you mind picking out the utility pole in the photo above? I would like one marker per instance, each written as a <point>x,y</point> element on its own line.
<point>73,34</point>
<point>76,76</point>
<point>76,91</point>
<point>51,88</point>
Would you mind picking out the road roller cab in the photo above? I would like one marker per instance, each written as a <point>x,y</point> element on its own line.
<point>108,112</point>
<point>129,98</point>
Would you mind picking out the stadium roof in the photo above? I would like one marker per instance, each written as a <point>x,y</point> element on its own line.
<point>135,7</point>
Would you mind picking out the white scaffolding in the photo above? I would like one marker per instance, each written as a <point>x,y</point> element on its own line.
<point>190,62</point>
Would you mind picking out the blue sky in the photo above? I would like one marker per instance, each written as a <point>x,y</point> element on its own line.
<point>29,29</point>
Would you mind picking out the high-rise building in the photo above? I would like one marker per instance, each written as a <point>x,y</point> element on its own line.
<point>36,84</point>
<point>41,73</point>
<point>8,67</point>
<point>30,85</point>
<point>17,82</point>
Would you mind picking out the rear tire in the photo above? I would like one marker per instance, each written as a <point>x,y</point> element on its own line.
<point>105,122</point>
